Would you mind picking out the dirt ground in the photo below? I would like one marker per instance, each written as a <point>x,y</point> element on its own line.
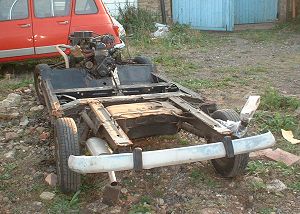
<point>228,70</point>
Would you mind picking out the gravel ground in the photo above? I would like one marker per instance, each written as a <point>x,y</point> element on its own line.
<point>27,149</point>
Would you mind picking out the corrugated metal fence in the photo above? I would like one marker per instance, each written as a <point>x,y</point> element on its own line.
<point>204,14</point>
<point>255,11</point>
<point>223,14</point>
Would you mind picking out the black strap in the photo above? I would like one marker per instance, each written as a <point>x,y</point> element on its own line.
<point>227,142</point>
<point>137,159</point>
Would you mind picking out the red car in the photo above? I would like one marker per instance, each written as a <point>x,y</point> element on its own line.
<point>30,28</point>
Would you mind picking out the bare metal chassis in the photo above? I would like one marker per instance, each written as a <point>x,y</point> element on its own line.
<point>89,108</point>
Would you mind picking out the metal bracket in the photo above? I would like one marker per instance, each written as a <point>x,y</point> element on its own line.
<point>137,159</point>
<point>227,142</point>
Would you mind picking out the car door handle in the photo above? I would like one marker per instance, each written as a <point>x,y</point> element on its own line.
<point>63,22</point>
<point>25,25</point>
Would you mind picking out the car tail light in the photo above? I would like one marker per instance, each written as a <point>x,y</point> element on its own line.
<point>116,30</point>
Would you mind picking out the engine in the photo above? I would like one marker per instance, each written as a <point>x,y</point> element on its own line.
<point>93,53</point>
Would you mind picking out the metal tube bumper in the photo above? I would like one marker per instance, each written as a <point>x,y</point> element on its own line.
<point>168,157</point>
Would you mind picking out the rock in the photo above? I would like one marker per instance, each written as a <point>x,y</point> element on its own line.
<point>40,129</point>
<point>160,201</point>
<point>10,154</point>
<point>276,186</point>
<point>124,191</point>
<point>24,121</point>
<point>12,100</point>
<point>36,108</point>
<point>254,179</point>
<point>37,205</point>
<point>210,211</point>
<point>28,90</point>
<point>96,207</point>
<point>44,136</point>
<point>47,196</point>
<point>10,136</point>
<point>51,179</point>
<point>9,116</point>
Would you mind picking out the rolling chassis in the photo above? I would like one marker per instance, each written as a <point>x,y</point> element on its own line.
<point>105,120</point>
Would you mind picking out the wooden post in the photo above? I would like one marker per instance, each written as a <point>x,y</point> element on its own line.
<point>283,10</point>
<point>294,9</point>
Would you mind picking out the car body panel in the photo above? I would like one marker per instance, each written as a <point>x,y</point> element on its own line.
<point>35,36</point>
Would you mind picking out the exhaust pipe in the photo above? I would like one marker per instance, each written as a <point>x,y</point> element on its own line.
<point>96,147</point>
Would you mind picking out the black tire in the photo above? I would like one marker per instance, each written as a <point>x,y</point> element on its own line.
<point>142,60</point>
<point>37,82</point>
<point>229,167</point>
<point>66,144</point>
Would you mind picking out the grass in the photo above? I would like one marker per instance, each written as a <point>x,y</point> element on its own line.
<point>142,206</point>
<point>295,186</point>
<point>65,204</point>
<point>198,176</point>
<point>258,167</point>
<point>272,100</point>
<point>196,84</point>
<point>275,122</point>
<point>8,169</point>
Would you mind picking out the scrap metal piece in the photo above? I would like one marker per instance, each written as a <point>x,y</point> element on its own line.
<point>111,195</point>
<point>168,157</point>
<point>138,159</point>
<point>227,142</point>
<point>111,131</point>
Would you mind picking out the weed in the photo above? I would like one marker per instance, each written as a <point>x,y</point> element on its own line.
<point>65,204</point>
<point>197,84</point>
<point>266,211</point>
<point>261,36</point>
<point>15,83</point>
<point>146,199</point>
<point>183,142</point>
<point>275,122</point>
<point>198,176</point>
<point>259,167</point>
<point>295,186</point>
<point>257,185</point>
<point>139,208</point>
<point>273,101</point>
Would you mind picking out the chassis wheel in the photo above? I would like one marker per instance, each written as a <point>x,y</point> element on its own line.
<point>38,82</point>
<point>66,144</point>
<point>229,167</point>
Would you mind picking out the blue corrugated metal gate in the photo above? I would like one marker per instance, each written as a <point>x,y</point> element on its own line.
<point>204,14</point>
<point>223,14</point>
<point>255,11</point>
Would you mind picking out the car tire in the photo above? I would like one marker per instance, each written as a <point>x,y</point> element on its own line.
<point>66,144</point>
<point>229,167</point>
<point>37,82</point>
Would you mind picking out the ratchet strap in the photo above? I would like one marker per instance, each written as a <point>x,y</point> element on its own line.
<point>137,159</point>
<point>227,142</point>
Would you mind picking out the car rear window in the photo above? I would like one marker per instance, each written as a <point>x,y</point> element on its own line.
<point>51,8</point>
<point>13,9</point>
<point>85,7</point>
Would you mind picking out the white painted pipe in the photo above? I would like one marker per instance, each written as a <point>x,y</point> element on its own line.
<point>96,147</point>
<point>168,157</point>
<point>64,55</point>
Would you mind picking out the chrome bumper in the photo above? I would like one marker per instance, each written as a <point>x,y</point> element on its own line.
<point>168,157</point>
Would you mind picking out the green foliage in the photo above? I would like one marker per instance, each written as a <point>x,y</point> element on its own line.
<point>295,186</point>
<point>273,101</point>
<point>136,20</point>
<point>139,208</point>
<point>198,176</point>
<point>143,206</point>
<point>65,204</point>
<point>258,167</point>
<point>275,122</point>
